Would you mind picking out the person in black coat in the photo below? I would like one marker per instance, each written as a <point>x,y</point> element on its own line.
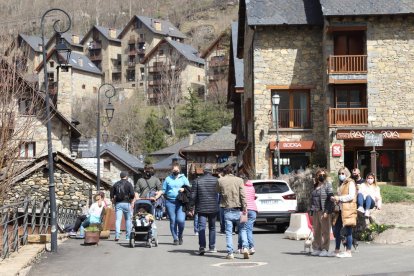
<point>204,202</point>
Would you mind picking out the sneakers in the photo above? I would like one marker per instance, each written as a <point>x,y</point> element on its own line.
<point>316,253</point>
<point>175,242</point>
<point>345,254</point>
<point>116,239</point>
<point>238,251</point>
<point>222,233</point>
<point>201,251</point>
<point>72,233</point>
<point>361,209</point>
<point>252,251</point>
<point>324,253</point>
<point>245,253</point>
<point>195,233</point>
<point>230,256</point>
<point>213,250</point>
<point>367,213</point>
<point>333,254</point>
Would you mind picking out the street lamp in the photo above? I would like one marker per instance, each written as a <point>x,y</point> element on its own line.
<point>109,110</point>
<point>275,105</point>
<point>52,195</point>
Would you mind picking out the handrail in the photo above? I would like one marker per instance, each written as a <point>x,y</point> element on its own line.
<point>16,218</point>
<point>347,64</point>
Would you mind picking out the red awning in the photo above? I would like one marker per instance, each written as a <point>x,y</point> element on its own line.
<point>293,145</point>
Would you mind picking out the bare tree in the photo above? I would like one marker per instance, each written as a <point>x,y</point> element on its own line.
<point>21,110</point>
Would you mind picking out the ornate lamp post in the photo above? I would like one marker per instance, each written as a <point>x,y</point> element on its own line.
<point>60,49</point>
<point>275,105</point>
<point>109,110</point>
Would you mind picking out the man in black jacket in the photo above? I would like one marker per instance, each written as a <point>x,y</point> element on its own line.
<point>204,198</point>
<point>121,195</point>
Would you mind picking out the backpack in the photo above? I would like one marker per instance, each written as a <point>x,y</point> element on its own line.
<point>120,191</point>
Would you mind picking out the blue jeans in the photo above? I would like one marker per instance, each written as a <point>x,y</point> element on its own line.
<point>337,233</point>
<point>222,223</point>
<point>177,218</point>
<point>196,228</point>
<point>123,208</point>
<point>84,224</point>
<point>158,213</point>
<point>202,221</point>
<point>233,216</point>
<point>367,204</point>
<point>248,227</point>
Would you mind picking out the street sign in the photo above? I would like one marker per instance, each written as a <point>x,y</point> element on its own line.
<point>373,140</point>
<point>336,150</point>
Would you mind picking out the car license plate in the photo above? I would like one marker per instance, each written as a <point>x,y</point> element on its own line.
<point>269,201</point>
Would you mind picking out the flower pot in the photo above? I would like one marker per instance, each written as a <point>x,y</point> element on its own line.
<point>92,237</point>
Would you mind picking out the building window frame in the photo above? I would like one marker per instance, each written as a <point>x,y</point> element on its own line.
<point>27,150</point>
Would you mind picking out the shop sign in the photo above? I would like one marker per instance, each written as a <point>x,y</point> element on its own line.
<point>336,150</point>
<point>373,140</point>
<point>392,134</point>
<point>293,145</point>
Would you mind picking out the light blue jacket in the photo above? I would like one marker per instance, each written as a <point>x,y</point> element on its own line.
<point>172,185</point>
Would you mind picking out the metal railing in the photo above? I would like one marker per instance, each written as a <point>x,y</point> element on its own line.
<point>347,64</point>
<point>29,216</point>
<point>294,118</point>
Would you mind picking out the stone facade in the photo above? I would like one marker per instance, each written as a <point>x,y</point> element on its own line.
<point>299,50</point>
<point>71,192</point>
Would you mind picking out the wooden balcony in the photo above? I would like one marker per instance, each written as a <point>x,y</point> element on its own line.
<point>294,118</point>
<point>348,117</point>
<point>155,82</point>
<point>132,52</point>
<point>95,45</point>
<point>347,64</point>
<point>157,68</point>
<point>95,57</point>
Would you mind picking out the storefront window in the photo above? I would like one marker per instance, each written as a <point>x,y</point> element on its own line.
<point>291,162</point>
<point>390,165</point>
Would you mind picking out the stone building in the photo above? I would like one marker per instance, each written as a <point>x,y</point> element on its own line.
<point>74,188</point>
<point>216,58</point>
<point>103,48</point>
<point>71,40</point>
<point>172,66</point>
<point>341,70</point>
<point>138,37</point>
<point>26,53</point>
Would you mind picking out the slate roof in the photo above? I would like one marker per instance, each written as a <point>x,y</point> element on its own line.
<point>284,12</point>
<point>238,63</point>
<point>366,7</point>
<point>105,32</point>
<point>222,140</point>
<point>33,41</point>
<point>188,51</point>
<point>167,28</point>
<point>122,155</point>
<point>87,64</point>
<point>165,164</point>
<point>68,37</point>
<point>198,137</point>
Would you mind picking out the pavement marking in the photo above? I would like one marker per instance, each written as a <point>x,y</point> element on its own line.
<point>240,264</point>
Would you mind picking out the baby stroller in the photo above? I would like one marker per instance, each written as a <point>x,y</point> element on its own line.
<point>143,230</point>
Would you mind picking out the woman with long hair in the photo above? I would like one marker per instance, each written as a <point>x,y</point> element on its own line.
<point>369,195</point>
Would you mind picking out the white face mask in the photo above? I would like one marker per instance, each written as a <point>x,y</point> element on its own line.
<point>342,177</point>
<point>370,181</point>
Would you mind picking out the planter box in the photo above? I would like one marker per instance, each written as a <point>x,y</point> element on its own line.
<point>92,237</point>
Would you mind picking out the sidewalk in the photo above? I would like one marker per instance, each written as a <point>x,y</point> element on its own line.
<point>19,262</point>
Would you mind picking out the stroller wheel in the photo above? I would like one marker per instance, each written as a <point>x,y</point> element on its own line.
<point>156,242</point>
<point>131,242</point>
<point>149,244</point>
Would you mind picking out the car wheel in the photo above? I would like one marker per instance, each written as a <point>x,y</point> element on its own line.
<point>281,227</point>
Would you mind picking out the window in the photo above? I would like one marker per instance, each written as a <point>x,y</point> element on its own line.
<point>107,166</point>
<point>27,150</point>
<point>294,110</point>
<point>138,25</point>
<point>141,36</point>
<point>52,64</point>
<point>350,96</point>
<point>83,86</point>
<point>161,52</point>
<point>26,107</point>
<point>50,77</point>
<point>142,73</point>
<point>130,75</point>
<point>95,90</point>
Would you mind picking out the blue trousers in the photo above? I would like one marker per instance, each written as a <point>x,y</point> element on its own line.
<point>177,218</point>
<point>337,233</point>
<point>367,203</point>
<point>202,223</point>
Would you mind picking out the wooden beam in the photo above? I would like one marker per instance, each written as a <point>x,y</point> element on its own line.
<point>335,81</point>
<point>331,29</point>
<point>239,90</point>
<point>290,87</point>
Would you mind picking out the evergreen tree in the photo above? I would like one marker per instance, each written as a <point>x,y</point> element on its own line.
<point>153,134</point>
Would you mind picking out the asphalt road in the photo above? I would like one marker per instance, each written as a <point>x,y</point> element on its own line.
<point>274,256</point>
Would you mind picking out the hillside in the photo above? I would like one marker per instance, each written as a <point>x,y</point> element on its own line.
<point>201,20</point>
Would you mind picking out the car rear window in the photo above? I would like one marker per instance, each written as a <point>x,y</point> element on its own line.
<point>270,187</point>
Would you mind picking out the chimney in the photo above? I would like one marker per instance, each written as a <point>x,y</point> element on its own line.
<point>157,25</point>
<point>112,33</point>
<point>190,139</point>
<point>80,62</point>
<point>65,93</point>
<point>75,39</point>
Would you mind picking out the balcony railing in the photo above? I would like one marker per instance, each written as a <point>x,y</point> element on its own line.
<point>347,116</point>
<point>95,57</point>
<point>294,118</point>
<point>155,82</point>
<point>131,63</point>
<point>94,45</point>
<point>347,64</point>
<point>132,52</point>
<point>218,63</point>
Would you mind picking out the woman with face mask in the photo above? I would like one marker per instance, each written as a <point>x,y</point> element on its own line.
<point>172,186</point>
<point>321,208</point>
<point>369,195</point>
<point>346,218</point>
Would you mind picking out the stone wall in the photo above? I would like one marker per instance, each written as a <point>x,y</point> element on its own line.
<point>71,192</point>
<point>293,57</point>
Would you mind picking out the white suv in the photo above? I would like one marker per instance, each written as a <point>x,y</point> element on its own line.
<point>275,201</point>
